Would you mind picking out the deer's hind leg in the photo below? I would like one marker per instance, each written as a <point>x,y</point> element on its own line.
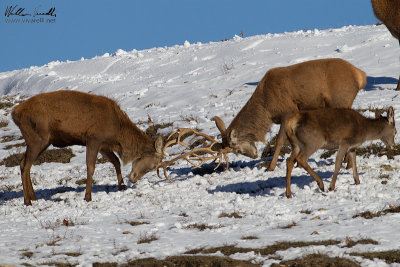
<point>36,144</point>
<point>289,168</point>
<point>110,156</point>
<point>302,158</point>
<point>280,139</point>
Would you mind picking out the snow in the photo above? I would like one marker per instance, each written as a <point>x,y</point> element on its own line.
<point>188,85</point>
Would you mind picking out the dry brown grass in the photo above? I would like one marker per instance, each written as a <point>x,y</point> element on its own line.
<point>182,261</point>
<point>391,256</point>
<point>230,215</point>
<point>370,215</point>
<point>318,260</point>
<point>62,155</point>
<point>229,250</point>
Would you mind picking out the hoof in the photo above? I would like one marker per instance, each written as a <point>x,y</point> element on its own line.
<point>121,187</point>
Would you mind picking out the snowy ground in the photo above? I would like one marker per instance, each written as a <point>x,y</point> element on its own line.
<point>188,85</point>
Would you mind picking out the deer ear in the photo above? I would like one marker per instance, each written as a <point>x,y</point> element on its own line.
<point>390,115</point>
<point>158,144</point>
<point>220,125</point>
<point>233,136</point>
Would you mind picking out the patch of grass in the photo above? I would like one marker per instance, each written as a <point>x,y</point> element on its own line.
<point>27,254</point>
<point>289,225</point>
<point>73,254</point>
<point>201,227</point>
<point>10,138</point>
<point>229,250</point>
<point>62,155</point>
<point>59,264</point>
<point>350,243</point>
<point>136,223</point>
<point>328,154</point>
<point>8,187</point>
<point>6,104</point>
<point>147,239</point>
<point>270,148</point>
<point>372,149</point>
<point>3,123</point>
<point>194,261</point>
<point>230,215</point>
<point>83,181</point>
<point>305,211</point>
<point>318,260</point>
<point>370,215</point>
<point>391,256</point>
<point>249,237</point>
<point>8,147</point>
<point>153,129</point>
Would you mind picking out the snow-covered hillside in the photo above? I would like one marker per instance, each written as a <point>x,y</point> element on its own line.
<point>188,85</point>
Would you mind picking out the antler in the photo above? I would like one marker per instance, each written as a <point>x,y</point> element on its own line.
<point>194,154</point>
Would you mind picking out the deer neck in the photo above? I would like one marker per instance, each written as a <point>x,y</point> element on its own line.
<point>133,142</point>
<point>374,128</point>
<point>253,121</point>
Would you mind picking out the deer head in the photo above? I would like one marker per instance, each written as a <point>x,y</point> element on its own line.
<point>148,161</point>
<point>232,139</point>
<point>389,131</point>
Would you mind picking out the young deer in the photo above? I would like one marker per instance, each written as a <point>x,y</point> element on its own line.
<point>345,129</point>
<point>65,118</point>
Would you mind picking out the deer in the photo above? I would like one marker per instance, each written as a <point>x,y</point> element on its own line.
<point>388,11</point>
<point>64,118</point>
<point>322,83</point>
<point>342,129</point>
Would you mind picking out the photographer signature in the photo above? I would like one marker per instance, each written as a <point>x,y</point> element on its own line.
<point>20,11</point>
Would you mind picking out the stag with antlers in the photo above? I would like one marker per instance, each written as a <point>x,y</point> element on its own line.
<point>201,148</point>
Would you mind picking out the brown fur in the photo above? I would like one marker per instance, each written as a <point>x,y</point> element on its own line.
<point>345,129</point>
<point>388,11</point>
<point>285,90</point>
<point>65,118</point>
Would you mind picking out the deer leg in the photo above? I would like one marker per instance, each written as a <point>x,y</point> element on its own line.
<point>117,165</point>
<point>281,137</point>
<point>354,163</point>
<point>302,161</point>
<point>339,159</point>
<point>347,160</point>
<point>289,168</point>
<point>31,154</point>
<point>398,85</point>
<point>92,149</point>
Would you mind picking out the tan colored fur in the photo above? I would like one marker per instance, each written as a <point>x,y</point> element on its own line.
<point>388,11</point>
<point>65,118</point>
<point>282,91</point>
<point>344,129</point>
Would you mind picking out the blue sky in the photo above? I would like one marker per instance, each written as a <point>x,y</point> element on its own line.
<point>88,28</point>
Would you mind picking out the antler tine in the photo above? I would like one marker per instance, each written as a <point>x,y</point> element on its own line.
<point>194,154</point>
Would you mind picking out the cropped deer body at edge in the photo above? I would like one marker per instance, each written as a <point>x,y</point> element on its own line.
<point>65,118</point>
<point>344,129</point>
<point>388,11</point>
<point>309,85</point>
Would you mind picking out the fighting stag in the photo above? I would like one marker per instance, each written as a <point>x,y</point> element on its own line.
<point>64,118</point>
<point>200,150</point>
